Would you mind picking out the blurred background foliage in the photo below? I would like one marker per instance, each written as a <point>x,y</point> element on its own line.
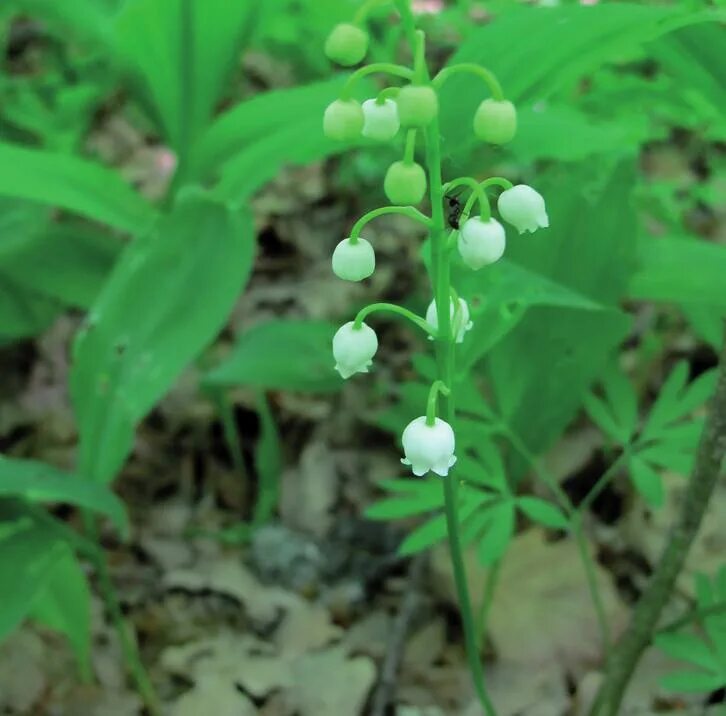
<point>115,113</point>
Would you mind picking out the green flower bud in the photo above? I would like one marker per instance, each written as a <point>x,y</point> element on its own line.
<point>347,44</point>
<point>405,184</point>
<point>343,120</point>
<point>495,121</point>
<point>418,105</point>
<point>354,261</point>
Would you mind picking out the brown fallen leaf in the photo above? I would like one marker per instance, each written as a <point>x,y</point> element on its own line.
<point>542,610</point>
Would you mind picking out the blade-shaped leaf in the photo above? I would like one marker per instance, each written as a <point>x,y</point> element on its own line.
<point>181,53</point>
<point>39,482</point>
<point>543,512</point>
<point>73,184</point>
<point>281,355</point>
<point>64,604</point>
<point>168,296</point>
<point>27,556</point>
<point>647,481</point>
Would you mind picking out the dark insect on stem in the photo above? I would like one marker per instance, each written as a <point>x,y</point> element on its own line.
<point>454,209</point>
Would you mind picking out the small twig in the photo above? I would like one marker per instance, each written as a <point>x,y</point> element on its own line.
<point>397,642</point>
<point>709,459</point>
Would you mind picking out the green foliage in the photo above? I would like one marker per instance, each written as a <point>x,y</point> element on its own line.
<point>47,584</point>
<point>38,482</point>
<point>281,355</point>
<point>180,54</point>
<point>134,345</point>
<point>73,184</point>
<point>669,436</point>
<point>705,653</point>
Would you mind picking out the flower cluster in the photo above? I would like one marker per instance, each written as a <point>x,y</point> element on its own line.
<point>428,441</point>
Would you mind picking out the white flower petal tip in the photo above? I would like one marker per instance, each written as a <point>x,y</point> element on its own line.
<point>481,243</point>
<point>461,319</point>
<point>354,348</point>
<point>380,120</point>
<point>354,260</point>
<point>429,448</point>
<point>524,208</point>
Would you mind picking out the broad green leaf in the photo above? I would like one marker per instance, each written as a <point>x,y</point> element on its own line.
<point>166,299</point>
<point>281,354</point>
<point>23,312</point>
<point>27,556</point>
<point>498,533</point>
<point>661,276</point>
<point>687,647</point>
<point>543,512</point>
<point>562,44</point>
<point>266,115</point>
<point>181,53</point>
<point>74,184</point>
<point>39,482</point>
<point>67,263</point>
<point>542,370</point>
<point>499,298</point>
<point>563,132</point>
<point>693,682</point>
<point>647,481</point>
<point>692,56</point>
<point>64,604</point>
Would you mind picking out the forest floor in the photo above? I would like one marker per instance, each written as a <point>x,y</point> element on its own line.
<point>315,615</point>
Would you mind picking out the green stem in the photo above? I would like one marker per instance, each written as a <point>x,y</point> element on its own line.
<point>128,643</point>
<point>365,9</point>
<point>694,615</point>
<point>388,68</point>
<point>441,279</point>
<point>477,195</point>
<point>422,323</point>
<point>591,575</point>
<point>438,386</point>
<point>409,22</point>
<point>494,87</point>
<point>486,602</point>
<point>410,148</point>
<point>496,181</point>
<point>221,402</point>
<point>409,211</point>
<point>577,531</point>
<point>603,481</point>
<point>704,478</point>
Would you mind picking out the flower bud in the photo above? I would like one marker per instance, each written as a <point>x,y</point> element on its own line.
<point>405,183</point>
<point>353,260</point>
<point>460,323</point>
<point>523,208</point>
<point>429,447</point>
<point>343,120</point>
<point>495,121</point>
<point>346,44</point>
<point>481,242</point>
<point>418,105</point>
<point>380,119</point>
<point>354,348</point>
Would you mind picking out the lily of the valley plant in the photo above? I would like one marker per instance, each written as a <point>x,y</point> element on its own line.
<point>429,440</point>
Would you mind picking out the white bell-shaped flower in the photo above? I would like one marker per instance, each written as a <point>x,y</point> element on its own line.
<point>354,260</point>
<point>461,322</point>
<point>380,119</point>
<point>429,447</point>
<point>354,348</point>
<point>524,208</point>
<point>481,242</point>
